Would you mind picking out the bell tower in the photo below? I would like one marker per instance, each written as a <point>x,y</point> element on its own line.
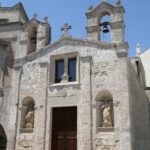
<point>96,27</point>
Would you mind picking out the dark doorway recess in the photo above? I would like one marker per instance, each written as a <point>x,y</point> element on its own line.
<point>3,139</point>
<point>64,128</point>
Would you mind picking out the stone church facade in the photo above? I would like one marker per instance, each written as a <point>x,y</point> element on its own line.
<point>74,94</point>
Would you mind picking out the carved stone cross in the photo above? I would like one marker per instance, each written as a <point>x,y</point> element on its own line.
<point>118,2</point>
<point>103,0</point>
<point>46,19</point>
<point>66,28</point>
<point>34,15</point>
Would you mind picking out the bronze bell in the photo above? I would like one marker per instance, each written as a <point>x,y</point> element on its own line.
<point>105,29</point>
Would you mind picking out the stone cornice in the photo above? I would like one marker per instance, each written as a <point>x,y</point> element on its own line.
<point>91,29</point>
<point>72,42</point>
<point>101,7</point>
<point>117,25</point>
<point>10,26</point>
<point>104,7</point>
<point>18,7</point>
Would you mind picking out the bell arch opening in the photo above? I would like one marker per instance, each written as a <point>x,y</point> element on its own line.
<point>32,39</point>
<point>3,139</point>
<point>105,28</point>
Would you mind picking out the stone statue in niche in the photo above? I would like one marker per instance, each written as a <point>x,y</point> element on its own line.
<point>30,119</point>
<point>106,108</point>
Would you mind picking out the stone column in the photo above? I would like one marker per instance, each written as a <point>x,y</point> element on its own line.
<point>65,76</point>
<point>13,118</point>
<point>41,108</point>
<point>84,111</point>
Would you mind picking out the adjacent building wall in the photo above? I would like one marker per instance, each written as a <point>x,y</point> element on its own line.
<point>139,112</point>
<point>146,64</point>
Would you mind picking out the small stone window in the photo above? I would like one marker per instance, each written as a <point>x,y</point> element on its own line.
<point>105,114</point>
<point>27,115</point>
<point>138,68</point>
<point>63,68</point>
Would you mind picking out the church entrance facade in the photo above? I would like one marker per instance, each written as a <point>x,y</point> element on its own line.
<point>64,128</point>
<point>3,139</point>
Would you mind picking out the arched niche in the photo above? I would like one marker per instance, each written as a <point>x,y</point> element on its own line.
<point>105,15</point>
<point>104,109</point>
<point>27,115</point>
<point>116,23</point>
<point>32,38</point>
<point>104,27</point>
<point>3,139</point>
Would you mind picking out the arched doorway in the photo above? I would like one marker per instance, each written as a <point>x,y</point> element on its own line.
<point>3,139</point>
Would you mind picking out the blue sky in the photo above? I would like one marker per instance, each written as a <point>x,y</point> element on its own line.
<point>137,18</point>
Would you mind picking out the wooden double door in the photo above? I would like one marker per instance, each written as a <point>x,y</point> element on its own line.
<point>64,128</point>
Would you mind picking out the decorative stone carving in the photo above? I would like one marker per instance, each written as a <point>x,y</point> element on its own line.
<point>106,109</point>
<point>63,93</point>
<point>106,148</point>
<point>46,19</point>
<point>34,16</point>
<point>30,120</point>
<point>31,73</point>
<point>27,115</point>
<point>64,78</point>
<point>66,28</point>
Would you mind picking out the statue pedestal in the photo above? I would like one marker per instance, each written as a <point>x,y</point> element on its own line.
<point>65,78</point>
<point>29,126</point>
<point>106,124</point>
<point>24,130</point>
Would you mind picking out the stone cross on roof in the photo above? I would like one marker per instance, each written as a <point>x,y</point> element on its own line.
<point>103,0</point>
<point>118,2</point>
<point>34,16</point>
<point>66,29</point>
<point>46,19</point>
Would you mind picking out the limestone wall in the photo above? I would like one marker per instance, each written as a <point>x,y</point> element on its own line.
<point>139,112</point>
<point>12,16</point>
<point>110,73</point>
<point>98,69</point>
<point>9,96</point>
<point>34,85</point>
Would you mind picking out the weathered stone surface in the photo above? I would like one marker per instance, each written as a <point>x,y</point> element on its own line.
<point>101,66</point>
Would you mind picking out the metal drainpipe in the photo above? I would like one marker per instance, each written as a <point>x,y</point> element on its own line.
<point>91,97</point>
<point>21,70</point>
<point>47,85</point>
